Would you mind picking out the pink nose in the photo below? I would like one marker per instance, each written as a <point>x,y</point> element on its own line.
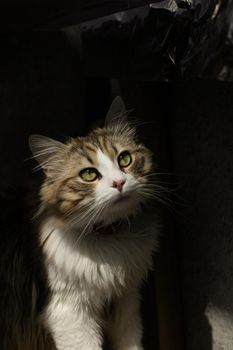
<point>118,184</point>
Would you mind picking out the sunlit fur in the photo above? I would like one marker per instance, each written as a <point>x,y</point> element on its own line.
<point>88,271</point>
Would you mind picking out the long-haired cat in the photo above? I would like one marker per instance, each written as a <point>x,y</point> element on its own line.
<point>80,275</point>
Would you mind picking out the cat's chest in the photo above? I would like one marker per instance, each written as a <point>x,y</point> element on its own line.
<point>75,273</point>
<point>96,267</point>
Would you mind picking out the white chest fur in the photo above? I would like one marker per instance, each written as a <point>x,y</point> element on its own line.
<point>84,276</point>
<point>103,265</point>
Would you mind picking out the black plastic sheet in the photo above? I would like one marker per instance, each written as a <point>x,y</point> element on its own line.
<point>137,43</point>
<point>136,39</point>
<point>163,40</point>
<point>209,52</point>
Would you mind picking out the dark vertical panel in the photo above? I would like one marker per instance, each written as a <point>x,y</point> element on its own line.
<point>163,324</point>
<point>202,144</point>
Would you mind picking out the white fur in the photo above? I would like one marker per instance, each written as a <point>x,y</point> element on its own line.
<point>109,170</point>
<point>87,274</point>
<point>106,193</point>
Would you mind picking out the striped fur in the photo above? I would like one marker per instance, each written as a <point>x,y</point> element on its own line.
<point>67,191</point>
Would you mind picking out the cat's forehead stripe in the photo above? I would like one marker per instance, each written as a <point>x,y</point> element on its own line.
<point>87,155</point>
<point>108,147</point>
<point>94,140</point>
<point>104,140</point>
<point>90,148</point>
<point>99,142</point>
<point>90,153</point>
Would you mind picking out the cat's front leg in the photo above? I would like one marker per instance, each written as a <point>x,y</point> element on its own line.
<point>73,329</point>
<point>126,329</point>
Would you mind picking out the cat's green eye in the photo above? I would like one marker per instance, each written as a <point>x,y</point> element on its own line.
<point>124,159</point>
<point>89,174</point>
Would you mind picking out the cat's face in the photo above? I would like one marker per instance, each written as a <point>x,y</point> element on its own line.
<point>98,178</point>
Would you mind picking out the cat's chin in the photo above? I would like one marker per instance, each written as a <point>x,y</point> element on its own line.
<point>122,199</point>
<point>117,208</point>
<point>120,208</point>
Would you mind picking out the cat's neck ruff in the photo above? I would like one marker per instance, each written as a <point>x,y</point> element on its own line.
<point>104,261</point>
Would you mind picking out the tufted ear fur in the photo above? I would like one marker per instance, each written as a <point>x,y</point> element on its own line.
<point>48,153</point>
<point>117,112</point>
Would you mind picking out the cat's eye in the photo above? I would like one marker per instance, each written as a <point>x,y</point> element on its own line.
<point>89,174</point>
<point>124,159</point>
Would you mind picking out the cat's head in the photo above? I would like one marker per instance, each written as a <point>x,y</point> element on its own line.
<point>102,177</point>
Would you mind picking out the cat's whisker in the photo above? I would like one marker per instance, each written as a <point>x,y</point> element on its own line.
<point>157,190</point>
<point>162,188</point>
<point>47,237</point>
<point>167,202</point>
<point>73,211</point>
<point>168,191</point>
<point>78,220</point>
<point>95,214</point>
<point>152,194</point>
<point>136,123</point>
<point>165,176</point>
<point>91,221</point>
<point>87,216</point>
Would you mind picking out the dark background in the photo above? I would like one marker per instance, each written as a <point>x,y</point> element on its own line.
<point>189,127</point>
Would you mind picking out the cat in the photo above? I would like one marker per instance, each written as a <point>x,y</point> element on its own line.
<point>92,245</point>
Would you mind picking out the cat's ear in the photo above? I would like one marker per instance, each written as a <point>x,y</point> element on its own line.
<point>47,152</point>
<point>117,112</point>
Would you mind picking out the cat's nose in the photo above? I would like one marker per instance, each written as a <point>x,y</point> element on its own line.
<point>118,184</point>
